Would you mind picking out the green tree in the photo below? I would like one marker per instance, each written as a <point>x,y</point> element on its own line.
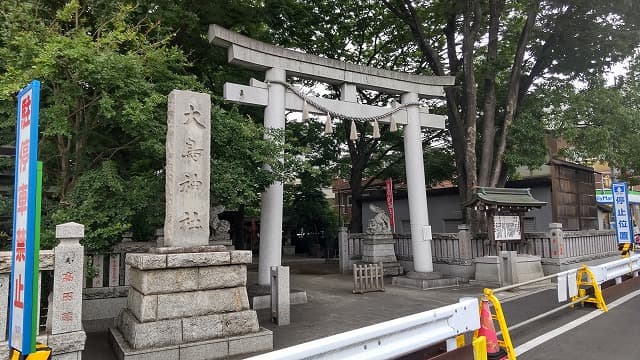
<point>601,122</point>
<point>106,71</point>
<point>360,32</point>
<point>103,104</point>
<point>309,217</point>
<point>500,51</point>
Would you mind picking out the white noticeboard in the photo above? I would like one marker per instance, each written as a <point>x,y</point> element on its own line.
<point>506,228</point>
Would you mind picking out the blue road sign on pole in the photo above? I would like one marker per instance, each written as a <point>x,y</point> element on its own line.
<point>622,215</point>
<point>23,305</point>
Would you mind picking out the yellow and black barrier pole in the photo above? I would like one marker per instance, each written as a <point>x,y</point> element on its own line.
<point>625,249</point>
<point>43,352</point>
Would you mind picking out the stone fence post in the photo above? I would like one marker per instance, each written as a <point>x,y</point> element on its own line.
<point>343,245</point>
<point>508,268</point>
<point>557,240</point>
<point>464,239</point>
<point>64,331</point>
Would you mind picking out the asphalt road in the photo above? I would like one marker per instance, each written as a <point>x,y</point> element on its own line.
<point>609,336</point>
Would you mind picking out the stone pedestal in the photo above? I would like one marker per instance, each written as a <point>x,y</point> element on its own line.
<point>424,280</point>
<point>379,248</point>
<point>187,304</point>
<point>508,268</point>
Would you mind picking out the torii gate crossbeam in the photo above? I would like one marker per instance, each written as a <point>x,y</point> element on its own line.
<point>278,63</point>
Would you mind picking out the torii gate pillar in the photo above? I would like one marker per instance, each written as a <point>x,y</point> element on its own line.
<point>414,164</point>
<point>272,198</point>
<point>278,62</point>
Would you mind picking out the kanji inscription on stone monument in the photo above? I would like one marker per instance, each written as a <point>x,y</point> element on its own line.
<point>188,169</point>
<point>66,308</point>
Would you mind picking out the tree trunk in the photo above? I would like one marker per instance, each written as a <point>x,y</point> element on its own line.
<point>470,97</point>
<point>514,89</point>
<point>488,129</point>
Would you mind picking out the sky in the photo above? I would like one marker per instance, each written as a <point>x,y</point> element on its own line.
<point>617,70</point>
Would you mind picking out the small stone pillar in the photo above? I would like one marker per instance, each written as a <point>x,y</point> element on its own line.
<point>508,265</point>
<point>464,239</point>
<point>557,240</point>
<point>65,335</point>
<point>280,306</point>
<point>343,245</point>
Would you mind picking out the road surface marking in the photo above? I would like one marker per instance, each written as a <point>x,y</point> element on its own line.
<point>571,325</point>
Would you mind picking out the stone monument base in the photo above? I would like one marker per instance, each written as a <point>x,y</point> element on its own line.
<point>379,248</point>
<point>188,304</point>
<point>199,350</point>
<point>424,280</point>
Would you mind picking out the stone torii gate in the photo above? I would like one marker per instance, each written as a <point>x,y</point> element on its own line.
<point>279,62</point>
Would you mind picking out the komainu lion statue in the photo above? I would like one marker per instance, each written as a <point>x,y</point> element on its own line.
<point>380,223</point>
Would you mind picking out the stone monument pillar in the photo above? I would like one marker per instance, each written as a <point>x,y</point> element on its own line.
<point>64,331</point>
<point>188,300</point>
<point>188,169</point>
<point>557,240</point>
<point>343,244</point>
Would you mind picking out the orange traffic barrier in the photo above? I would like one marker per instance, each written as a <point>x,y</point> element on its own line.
<point>494,351</point>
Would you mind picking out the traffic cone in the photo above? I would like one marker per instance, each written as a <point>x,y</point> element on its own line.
<point>494,351</point>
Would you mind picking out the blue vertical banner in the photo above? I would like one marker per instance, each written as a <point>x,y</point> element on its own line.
<point>23,304</point>
<point>622,215</point>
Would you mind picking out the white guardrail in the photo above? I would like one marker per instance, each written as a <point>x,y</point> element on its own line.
<point>389,339</point>
<point>603,272</point>
<point>615,269</point>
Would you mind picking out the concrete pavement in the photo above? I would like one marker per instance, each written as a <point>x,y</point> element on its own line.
<point>332,308</point>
